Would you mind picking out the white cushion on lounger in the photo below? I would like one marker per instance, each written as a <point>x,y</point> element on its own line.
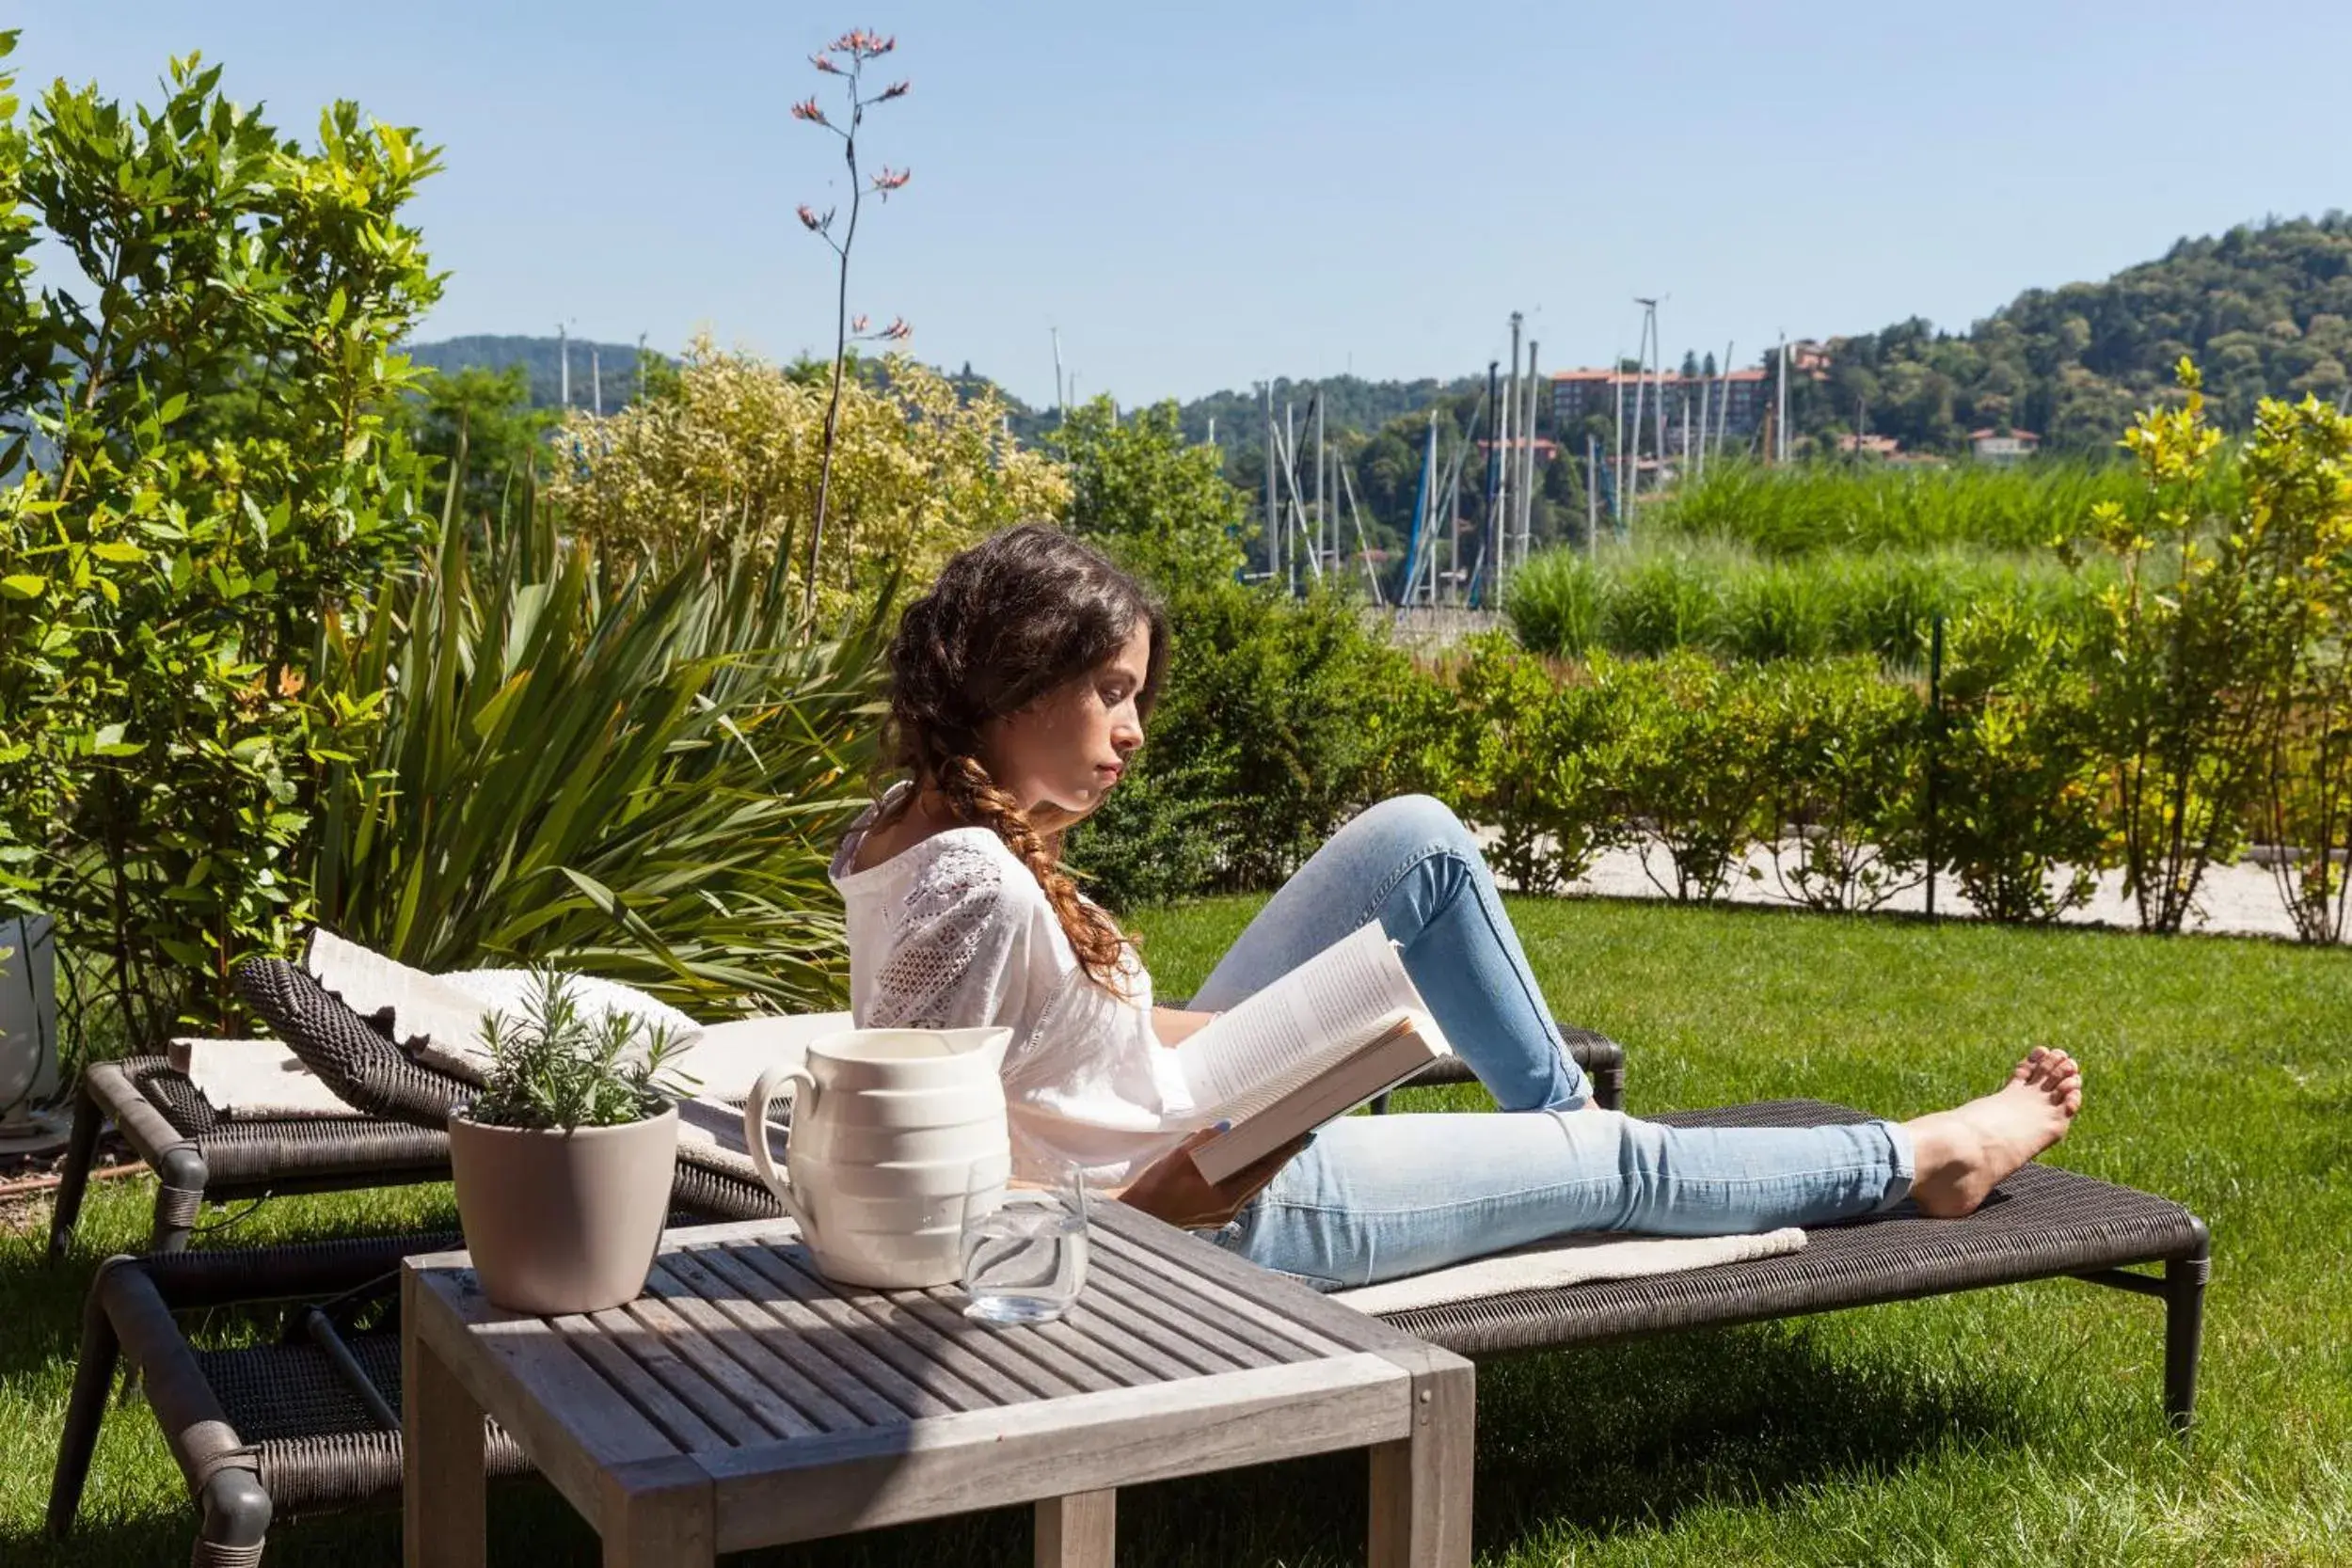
<point>1572,1260</point>
<point>250,1079</point>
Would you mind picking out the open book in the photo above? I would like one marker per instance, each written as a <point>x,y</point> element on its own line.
<point>1341,1028</point>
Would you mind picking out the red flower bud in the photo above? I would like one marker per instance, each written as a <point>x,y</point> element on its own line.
<point>809,218</point>
<point>895,90</point>
<point>807,109</point>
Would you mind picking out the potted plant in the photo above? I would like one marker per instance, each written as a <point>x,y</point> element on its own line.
<point>563,1162</point>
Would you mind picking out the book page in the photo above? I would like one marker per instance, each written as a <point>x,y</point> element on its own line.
<point>1294,1028</point>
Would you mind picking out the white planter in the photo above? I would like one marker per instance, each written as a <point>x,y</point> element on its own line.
<point>28,1021</point>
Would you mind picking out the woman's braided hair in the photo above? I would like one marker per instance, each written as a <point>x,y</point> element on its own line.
<point>1011,620</point>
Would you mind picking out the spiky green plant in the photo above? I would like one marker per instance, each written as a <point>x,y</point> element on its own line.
<point>640,779</point>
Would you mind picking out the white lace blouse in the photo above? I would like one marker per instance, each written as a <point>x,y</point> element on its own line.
<point>955,933</point>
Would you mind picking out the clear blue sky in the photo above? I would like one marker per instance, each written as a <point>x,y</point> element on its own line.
<point>1200,196</point>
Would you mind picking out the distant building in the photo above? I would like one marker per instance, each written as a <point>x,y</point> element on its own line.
<point>1578,394</point>
<point>2003,447</point>
<point>1872,445</point>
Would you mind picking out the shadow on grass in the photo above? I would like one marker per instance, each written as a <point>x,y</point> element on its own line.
<point>1595,1443</point>
<point>1630,1436</point>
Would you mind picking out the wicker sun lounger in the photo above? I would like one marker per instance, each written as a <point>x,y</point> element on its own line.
<point>199,1155</point>
<point>363,1065</point>
<point>309,1424</point>
<point>2041,1222</point>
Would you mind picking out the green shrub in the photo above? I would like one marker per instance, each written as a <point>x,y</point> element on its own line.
<point>1847,762</point>
<point>2019,819</point>
<point>1526,759</point>
<point>1687,763</point>
<point>2207,630</point>
<point>1281,720</point>
<point>1660,603</point>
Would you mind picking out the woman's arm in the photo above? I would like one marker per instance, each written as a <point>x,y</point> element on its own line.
<point>1174,1025</point>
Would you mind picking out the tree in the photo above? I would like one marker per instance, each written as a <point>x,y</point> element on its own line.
<point>208,466</point>
<point>1157,502</point>
<point>479,426</point>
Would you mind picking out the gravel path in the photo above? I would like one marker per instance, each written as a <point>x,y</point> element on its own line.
<point>2234,901</point>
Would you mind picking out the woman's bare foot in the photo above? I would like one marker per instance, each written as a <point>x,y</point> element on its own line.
<point>1960,1155</point>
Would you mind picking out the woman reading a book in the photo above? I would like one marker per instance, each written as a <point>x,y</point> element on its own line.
<point>1021,685</point>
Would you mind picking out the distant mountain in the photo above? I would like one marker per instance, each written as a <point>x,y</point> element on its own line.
<point>613,364</point>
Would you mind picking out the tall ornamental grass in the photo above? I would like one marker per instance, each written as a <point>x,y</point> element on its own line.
<point>1824,506</point>
<point>1726,599</point>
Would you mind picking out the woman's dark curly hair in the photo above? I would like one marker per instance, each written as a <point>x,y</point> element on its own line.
<point>1013,618</point>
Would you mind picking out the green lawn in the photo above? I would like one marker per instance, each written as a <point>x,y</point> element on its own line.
<point>2019,1425</point>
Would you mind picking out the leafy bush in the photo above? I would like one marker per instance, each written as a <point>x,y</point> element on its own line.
<point>1281,720</point>
<point>557,1068</point>
<point>2207,628</point>
<point>1687,763</point>
<point>727,450</point>
<point>1846,753</point>
<point>644,783</point>
<point>1159,505</point>
<point>2020,821</point>
<point>202,469</point>
<point>1525,759</point>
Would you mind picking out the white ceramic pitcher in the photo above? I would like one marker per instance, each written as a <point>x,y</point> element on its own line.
<point>897,1136</point>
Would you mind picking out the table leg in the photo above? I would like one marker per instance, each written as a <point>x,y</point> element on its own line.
<point>1080,1532</point>
<point>443,1522</point>
<point>1421,1485</point>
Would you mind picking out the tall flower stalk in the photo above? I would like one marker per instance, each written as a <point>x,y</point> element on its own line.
<point>845,58</point>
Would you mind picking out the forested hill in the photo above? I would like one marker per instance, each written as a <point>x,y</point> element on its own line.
<point>615,365</point>
<point>2263,310</point>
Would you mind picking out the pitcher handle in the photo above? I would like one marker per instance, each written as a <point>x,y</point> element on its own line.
<point>778,1179</point>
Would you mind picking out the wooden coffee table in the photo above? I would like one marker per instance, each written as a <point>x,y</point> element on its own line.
<point>743,1400</point>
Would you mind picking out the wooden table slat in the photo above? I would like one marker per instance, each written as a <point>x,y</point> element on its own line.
<point>882,1361</point>
<point>992,1384</point>
<point>800,1338</point>
<point>573,1423</point>
<point>744,1333</point>
<point>1121,1369</point>
<point>1342,1323</point>
<point>1026,1357</point>
<point>701,1357</point>
<point>1102,1311</point>
<point>1198,1321</point>
<point>597,1342</point>
<point>1192,1281</point>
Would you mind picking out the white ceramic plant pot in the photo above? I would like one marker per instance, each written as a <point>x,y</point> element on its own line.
<point>562,1222</point>
<point>28,1019</point>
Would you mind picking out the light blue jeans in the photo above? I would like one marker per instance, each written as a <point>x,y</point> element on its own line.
<point>1376,1197</point>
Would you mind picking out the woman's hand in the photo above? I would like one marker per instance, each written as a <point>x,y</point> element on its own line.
<point>1171,1188</point>
<point>1173,1025</point>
